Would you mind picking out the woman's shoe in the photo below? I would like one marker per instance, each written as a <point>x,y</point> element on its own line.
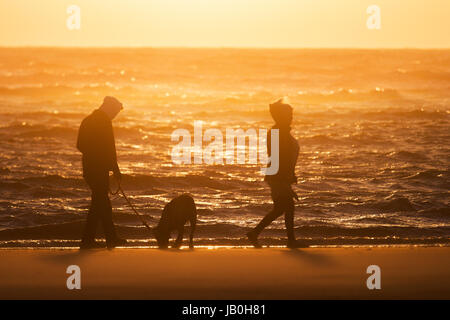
<point>295,244</point>
<point>253,240</point>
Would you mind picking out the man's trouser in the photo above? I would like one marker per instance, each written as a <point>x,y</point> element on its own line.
<point>100,209</point>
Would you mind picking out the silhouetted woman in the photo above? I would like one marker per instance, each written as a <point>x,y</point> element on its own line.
<point>280,183</point>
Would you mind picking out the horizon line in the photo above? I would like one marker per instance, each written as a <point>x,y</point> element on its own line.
<point>219,47</point>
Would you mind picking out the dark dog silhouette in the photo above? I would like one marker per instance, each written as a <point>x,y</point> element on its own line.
<point>174,216</point>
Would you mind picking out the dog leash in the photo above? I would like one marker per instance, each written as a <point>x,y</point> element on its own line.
<point>120,190</point>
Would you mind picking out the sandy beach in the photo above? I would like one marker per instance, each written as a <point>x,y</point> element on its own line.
<point>227,273</point>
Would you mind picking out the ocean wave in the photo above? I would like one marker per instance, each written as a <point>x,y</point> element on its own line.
<point>42,192</point>
<point>408,156</point>
<point>197,180</point>
<point>73,230</point>
<point>26,130</point>
<point>43,187</point>
<point>342,95</point>
<point>13,186</point>
<point>60,90</point>
<point>54,132</point>
<point>362,138</point>
<point>431,174</point>
<point>54,114</point>
<point>427,75</point>
<point>391,205</point>
<point>436,213</point>
<point>320,139</point>
<point>129,182</point>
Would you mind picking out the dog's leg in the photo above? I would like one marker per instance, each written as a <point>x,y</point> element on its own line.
<point>179,237</point>
<point>193,222</point>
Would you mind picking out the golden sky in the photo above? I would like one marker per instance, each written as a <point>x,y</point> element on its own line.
<point>226,23</point>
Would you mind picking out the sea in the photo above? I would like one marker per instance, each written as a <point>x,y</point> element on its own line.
<point>373,128</point>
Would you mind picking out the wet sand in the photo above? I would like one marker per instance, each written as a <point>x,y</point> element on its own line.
<point>227,273</point>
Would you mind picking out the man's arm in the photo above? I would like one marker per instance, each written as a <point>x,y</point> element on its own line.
<point>112,152</point>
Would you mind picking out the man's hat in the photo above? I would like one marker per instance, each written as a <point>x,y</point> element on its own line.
<point>111,106</point>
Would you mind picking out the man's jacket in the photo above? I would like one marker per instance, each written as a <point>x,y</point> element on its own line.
<point>96,143</point>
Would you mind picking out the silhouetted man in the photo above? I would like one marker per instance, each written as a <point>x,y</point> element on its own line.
<point>280,183</point>
<point>96,143</point>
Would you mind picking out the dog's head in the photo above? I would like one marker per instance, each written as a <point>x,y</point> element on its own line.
<point>161,232</point>
<point>162,237</point>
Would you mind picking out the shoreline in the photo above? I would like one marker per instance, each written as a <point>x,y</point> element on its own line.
<point>216,247</point>
<point>229,243</point>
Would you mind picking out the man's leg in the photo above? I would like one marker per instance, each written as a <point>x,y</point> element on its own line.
<point>99,184</point>
<point>92,220</point>
<point>106,218</point>
<point>105,214</point>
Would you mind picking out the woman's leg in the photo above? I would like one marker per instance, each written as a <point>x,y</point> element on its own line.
<point>272,215</point>
<point>276,212</point>
<point>289,219</point>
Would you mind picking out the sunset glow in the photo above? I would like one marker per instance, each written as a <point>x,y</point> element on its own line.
<point>228,23</point>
